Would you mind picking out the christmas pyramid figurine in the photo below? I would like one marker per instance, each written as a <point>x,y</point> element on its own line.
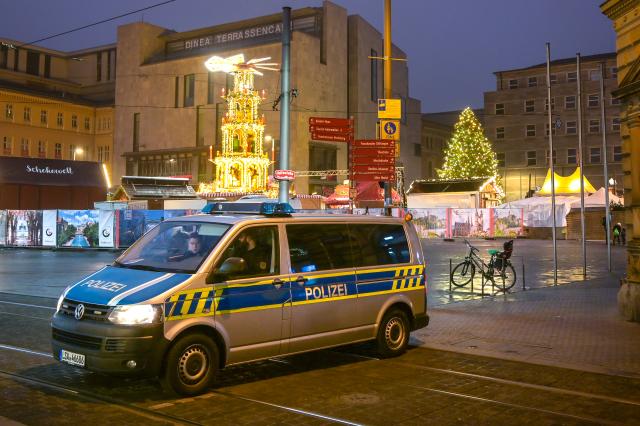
<point>242,165</point>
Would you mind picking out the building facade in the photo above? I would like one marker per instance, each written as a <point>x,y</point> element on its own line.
<point>169,108</point>
<point>57,105</point>
<point>516,122</point>
<point>625,15</point>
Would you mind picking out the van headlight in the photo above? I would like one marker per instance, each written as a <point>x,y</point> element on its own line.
<point>136,314</point>
<point>59,304</point>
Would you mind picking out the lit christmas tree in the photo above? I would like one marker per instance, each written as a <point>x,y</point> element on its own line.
<point>469,153</point>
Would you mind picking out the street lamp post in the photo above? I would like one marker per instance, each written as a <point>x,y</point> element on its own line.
<point>77,151</point>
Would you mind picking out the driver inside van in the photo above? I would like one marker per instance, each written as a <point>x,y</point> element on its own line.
<point>254,251</point>
<point>194,246</point>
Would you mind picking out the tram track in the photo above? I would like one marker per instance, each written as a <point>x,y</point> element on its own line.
<point>149,413</point>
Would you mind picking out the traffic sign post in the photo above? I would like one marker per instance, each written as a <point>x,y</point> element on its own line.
<point>389,108</point>
<point>373,160</point>
<point>287,175</point>
<point>390,129</point>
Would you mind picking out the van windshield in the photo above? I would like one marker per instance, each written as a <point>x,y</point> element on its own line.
<point>173,247</point>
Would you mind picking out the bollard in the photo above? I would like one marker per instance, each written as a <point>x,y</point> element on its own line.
<point>524,281</point>
<point>450,277</point>
<point>482,292</point>
<point>472,277</point>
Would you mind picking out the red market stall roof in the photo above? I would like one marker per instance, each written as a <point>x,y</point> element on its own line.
<point>367,192</point>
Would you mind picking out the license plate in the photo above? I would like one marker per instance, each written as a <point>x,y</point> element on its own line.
<point>72,358</point>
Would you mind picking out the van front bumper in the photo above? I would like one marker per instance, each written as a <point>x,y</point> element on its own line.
<point>109,347</point>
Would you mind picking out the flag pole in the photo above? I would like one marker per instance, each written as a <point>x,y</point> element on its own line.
<point>603,123</point>
<point>580,164</point>
<point>553,180</point>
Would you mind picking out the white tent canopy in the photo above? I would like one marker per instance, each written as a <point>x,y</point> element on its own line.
<point>597,199</point>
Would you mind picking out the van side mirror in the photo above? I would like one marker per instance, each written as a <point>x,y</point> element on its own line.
<point>231,266</point>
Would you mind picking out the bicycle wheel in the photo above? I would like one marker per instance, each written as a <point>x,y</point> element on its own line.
<point>462,274</point>
<point>506,278</point>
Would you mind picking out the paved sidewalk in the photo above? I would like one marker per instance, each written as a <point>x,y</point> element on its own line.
<point>573,325</point>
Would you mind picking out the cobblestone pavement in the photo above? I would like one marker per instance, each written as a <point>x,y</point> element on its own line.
<point>347,385</point>
<point>48,272</point>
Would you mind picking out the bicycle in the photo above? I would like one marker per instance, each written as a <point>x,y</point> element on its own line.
<point>499,270</point>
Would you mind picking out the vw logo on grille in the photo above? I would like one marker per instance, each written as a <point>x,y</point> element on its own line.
<point>79,313</point>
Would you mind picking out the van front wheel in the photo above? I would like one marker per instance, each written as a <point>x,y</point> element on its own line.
<point>191,365</point>
<point>393,334</point>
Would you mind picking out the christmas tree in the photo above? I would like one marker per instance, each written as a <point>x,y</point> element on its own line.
<point>469,153</point>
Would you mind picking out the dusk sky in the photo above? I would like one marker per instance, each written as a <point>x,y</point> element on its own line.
<point>453,46</point>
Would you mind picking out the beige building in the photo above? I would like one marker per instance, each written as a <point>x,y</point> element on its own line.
<point>57,105</point>
<point>625,15</point>
<point>516,122</point>
<point>169,108</point>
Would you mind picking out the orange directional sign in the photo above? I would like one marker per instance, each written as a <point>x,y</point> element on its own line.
<point>372,177</point>
<point>373,143</point>
<point>369,168</point>
<point>330,137</point>
<point>337,122</point>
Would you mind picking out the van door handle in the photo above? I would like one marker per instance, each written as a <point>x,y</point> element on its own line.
<point>301,280</point>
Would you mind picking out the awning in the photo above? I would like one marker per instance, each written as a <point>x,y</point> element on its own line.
<point>41,171</point>
<point>566,184</point>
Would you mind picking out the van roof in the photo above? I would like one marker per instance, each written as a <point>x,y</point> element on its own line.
<point>233,219</point>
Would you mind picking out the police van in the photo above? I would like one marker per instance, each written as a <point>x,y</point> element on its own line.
<point>240,283</point>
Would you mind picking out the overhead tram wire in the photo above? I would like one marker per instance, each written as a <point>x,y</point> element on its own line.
<point>113,18</point>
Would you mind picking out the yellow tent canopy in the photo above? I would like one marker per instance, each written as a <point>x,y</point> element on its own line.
<point>566,184</point>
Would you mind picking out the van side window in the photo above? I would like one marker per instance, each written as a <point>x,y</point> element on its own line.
<point>259,250</point>
<point>378,244</point>
<point>319,247</point>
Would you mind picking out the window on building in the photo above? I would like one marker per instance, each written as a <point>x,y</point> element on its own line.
<point>74,121</point>
<point>6,145</point>
<point>176,92</point>
<point>572,77</point>
<point>593,101</point>
<point>614,72</point>
<point>555,157</point>
<point>553,78</point>
<point>615,124</point>
<point>189,90</point>
<point>99,151</point>
<point>210,88</point>
<point>594,126</point>
<point>87,123</point>
<point>571,128</point>
<point>553,104</point>
<point>546,129</point>
<point>43,117</point>
<point>24,147</point>
<point>531,130</point>
<point>33,62</point>
<point>570,102</point>
<point>594,155</point>
<point>72,152</point>
<point>513,83</point>
<point>617,153</point>
<point>417,149</point>
<point>58,151</point>
<point>374,76</point>
<point>501,159</point>
<point>532,158</point>
<point>615,101</point>
<point>108,123</point>
<point>4,56</point>
<point>42,149</point>
<point>322,157</point>
<point>499,132</point>
<point>109,65</point>
<point>8,111</point>
<point>532,81</point>
<point>499,109</point>
<point>60,119</point>
<point>99,66</point>
<point>16,58</point>
<point>47,66</point>
<point>106,154</point>
<point>572,157</point>
<point>594,75</point>
<point>27,114</point>
<point>136,132</point>
<point>530,105</point>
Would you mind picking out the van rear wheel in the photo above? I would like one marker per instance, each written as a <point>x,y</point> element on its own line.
<point>191,365</point>
<point>393,334</point>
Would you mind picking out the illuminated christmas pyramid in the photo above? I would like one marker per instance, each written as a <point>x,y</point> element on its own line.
<point>242,165</point>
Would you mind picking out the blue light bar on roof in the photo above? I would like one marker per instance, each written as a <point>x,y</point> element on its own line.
<point>267,209</point>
